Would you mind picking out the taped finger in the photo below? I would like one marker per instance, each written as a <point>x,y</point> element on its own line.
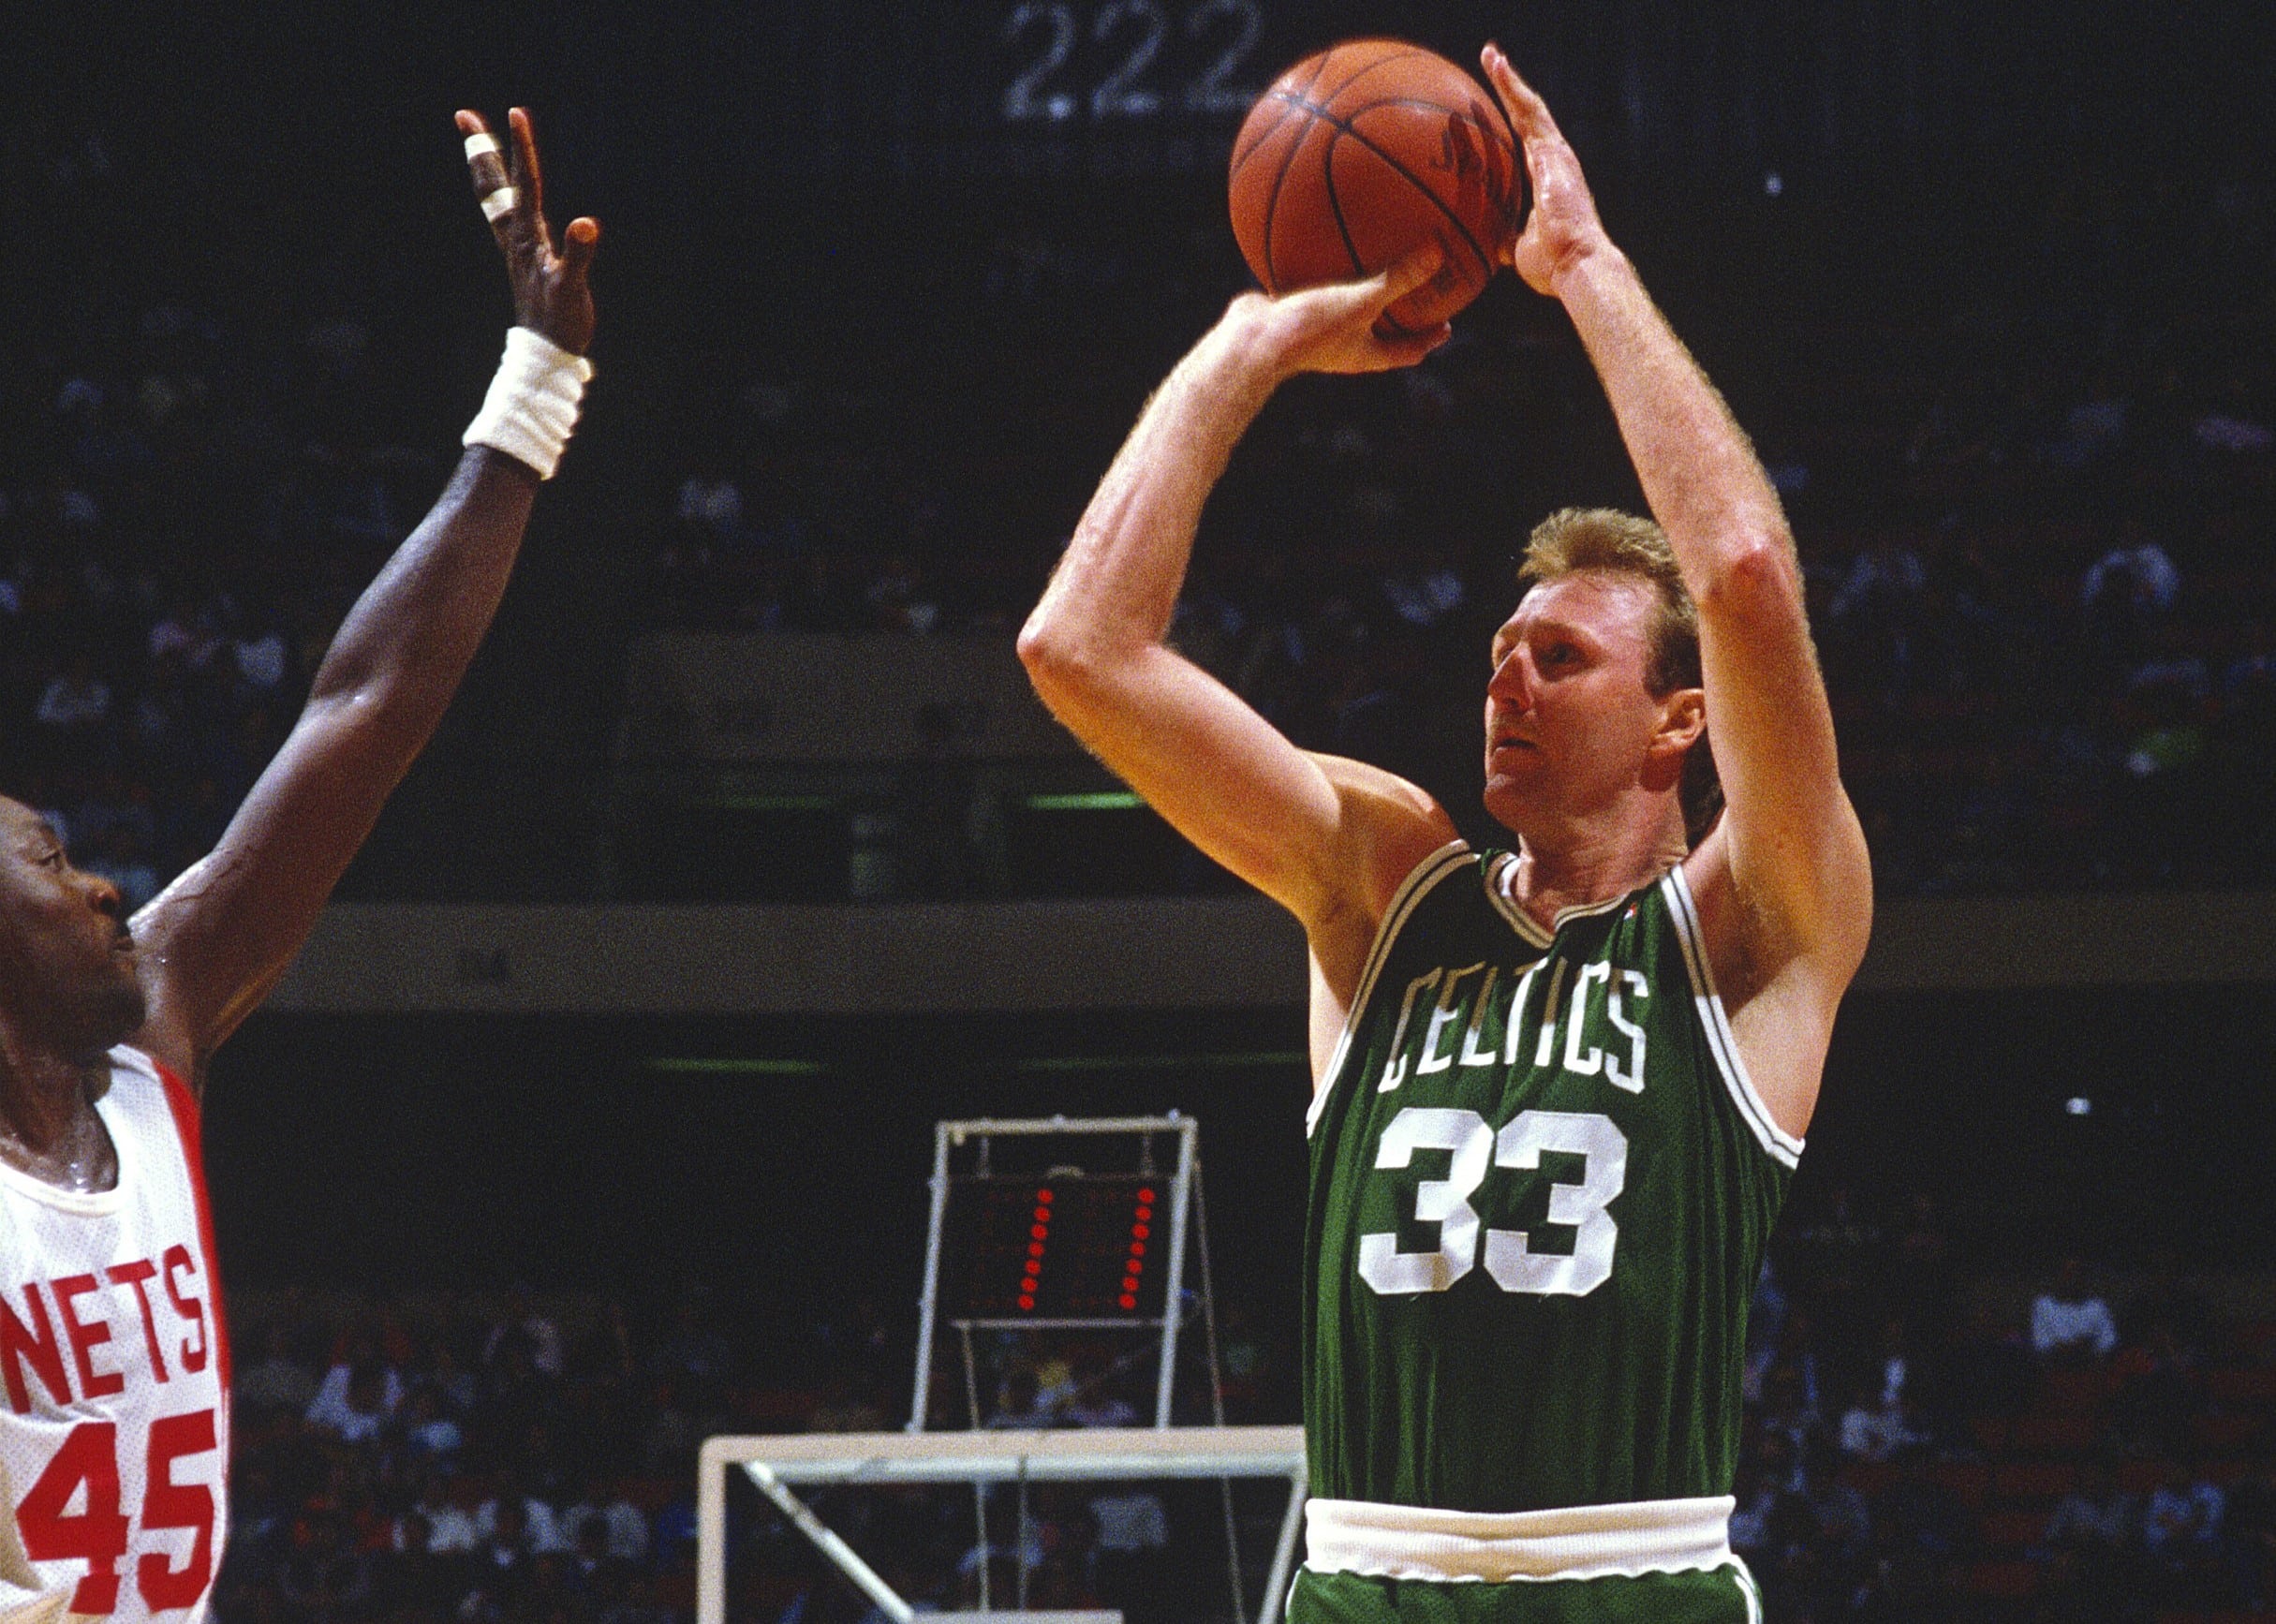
<point>498,205</point>
<point>486,159</point>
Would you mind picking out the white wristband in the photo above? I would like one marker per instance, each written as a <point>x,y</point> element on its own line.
<point>532,406</point>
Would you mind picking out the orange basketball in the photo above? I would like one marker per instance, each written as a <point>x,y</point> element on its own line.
<point>1360,154</point>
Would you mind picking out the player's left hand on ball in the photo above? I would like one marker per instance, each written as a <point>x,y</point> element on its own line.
<point>550,291</point>
<point>1563,226</point>
<point>1341,327</point>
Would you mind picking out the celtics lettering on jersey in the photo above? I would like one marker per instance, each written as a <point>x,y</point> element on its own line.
<point>1540,1186</point>
<point>1465,1000</point>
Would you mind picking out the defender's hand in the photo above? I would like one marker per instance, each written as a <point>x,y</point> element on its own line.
<point>1339,328</point>
<point>551,294</point>
<point>1563,228</point>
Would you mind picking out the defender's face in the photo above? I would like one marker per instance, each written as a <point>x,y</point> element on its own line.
<point>68,971</point>
<point>1570,717</point>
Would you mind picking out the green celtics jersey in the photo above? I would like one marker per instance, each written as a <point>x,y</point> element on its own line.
<point>1540,1186</point>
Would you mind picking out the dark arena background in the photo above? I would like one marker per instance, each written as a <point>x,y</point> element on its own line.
<point>597,1117</point>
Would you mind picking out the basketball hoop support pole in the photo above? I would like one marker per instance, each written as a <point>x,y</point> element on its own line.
<point>1188,1134</point>
<point>885,1460</point>
<point>928,1309</point>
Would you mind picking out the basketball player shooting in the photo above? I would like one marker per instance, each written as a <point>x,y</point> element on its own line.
<point>115,1439</point>
<point>1560,1089</point>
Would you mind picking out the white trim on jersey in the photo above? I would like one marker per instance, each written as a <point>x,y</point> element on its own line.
<point>1744,1578</point>
<point>1502,890</point>
<point>1606,1542</point>
<point>1498,891</point>
<point>1418,884</point>
<point>1776,1142</point>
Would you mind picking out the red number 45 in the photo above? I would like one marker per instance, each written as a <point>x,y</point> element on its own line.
<point>98,1535</point>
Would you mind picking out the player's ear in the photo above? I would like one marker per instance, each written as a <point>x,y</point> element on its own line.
<point>1682,719</point>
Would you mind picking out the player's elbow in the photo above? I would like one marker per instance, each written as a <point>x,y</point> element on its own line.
<point>1064,660</point>
<point>1052,655</point>
<point>1755,578</point>
<point>1043,646</point>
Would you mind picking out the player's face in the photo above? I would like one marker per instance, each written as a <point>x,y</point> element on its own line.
<point>1571,721</point>
<point>68,972</point>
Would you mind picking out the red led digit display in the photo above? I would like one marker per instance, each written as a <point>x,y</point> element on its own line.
<point>1077,1247</point>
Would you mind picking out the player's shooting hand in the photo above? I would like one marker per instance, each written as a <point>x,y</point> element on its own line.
<point>1341,327</point>
<point>551,293</point>
<point>1563,228</point>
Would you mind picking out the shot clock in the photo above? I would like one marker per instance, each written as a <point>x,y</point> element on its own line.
<point>1074,1247</point>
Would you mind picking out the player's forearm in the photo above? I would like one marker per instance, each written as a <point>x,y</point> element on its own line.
<point>1117,584</point>
<point>400,654</point>
<point>1704,484</point>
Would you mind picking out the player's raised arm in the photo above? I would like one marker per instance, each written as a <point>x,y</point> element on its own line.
<point>1790,842</point>
<point>217,939</point>
<point>1316,834</point>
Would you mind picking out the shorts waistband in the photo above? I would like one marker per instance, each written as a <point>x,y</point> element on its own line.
<point>1569,1543</point>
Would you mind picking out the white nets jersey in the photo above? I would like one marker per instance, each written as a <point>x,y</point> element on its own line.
<point>114,1374</point>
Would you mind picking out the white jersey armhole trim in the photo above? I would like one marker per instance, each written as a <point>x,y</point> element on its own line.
<point>1411,889</point>
<point>1777,1142</point>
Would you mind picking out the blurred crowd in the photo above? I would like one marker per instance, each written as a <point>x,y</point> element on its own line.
<point>1922,1447</point>
<point>2041,585</point>
<point>2034,524</point>
<point>191,497</point>
<point>1924,1441</point>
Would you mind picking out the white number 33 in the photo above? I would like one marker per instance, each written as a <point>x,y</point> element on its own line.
<point>1445,1202</point>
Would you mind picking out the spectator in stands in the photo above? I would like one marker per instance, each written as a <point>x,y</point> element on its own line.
<point>429,1432</point>
<point>694,1354</point>
<point>356,1400</point>
<point>421,1577</point>
<point>1129,1566</point>
<point>1095,1396</point>
<point>74,703</point>
<point>1020,1404</point>
<point>623,1526</point>
<point>1877,1424</point>
<point>2091,1544</point>
<point>519,1515</point>
<point>276,1380</point>
<point>2069,1322</point>
<point>2181,1533</point>
<point>1754,1499</point>
<point>436,1523</point>
<point>516,1395</point>
<point>505,1560</point>
<point>539,1336</point>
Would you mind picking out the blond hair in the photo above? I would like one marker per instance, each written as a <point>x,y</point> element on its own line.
<point>1572,539</point>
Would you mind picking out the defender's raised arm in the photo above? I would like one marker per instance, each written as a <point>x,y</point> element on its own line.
<point>217,939</point>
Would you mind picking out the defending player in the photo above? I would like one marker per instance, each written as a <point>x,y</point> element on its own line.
<point>1559,1091</point>
<point>115,1437</point>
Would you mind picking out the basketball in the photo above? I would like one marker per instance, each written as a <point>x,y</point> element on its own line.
<point>1364,152</point>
